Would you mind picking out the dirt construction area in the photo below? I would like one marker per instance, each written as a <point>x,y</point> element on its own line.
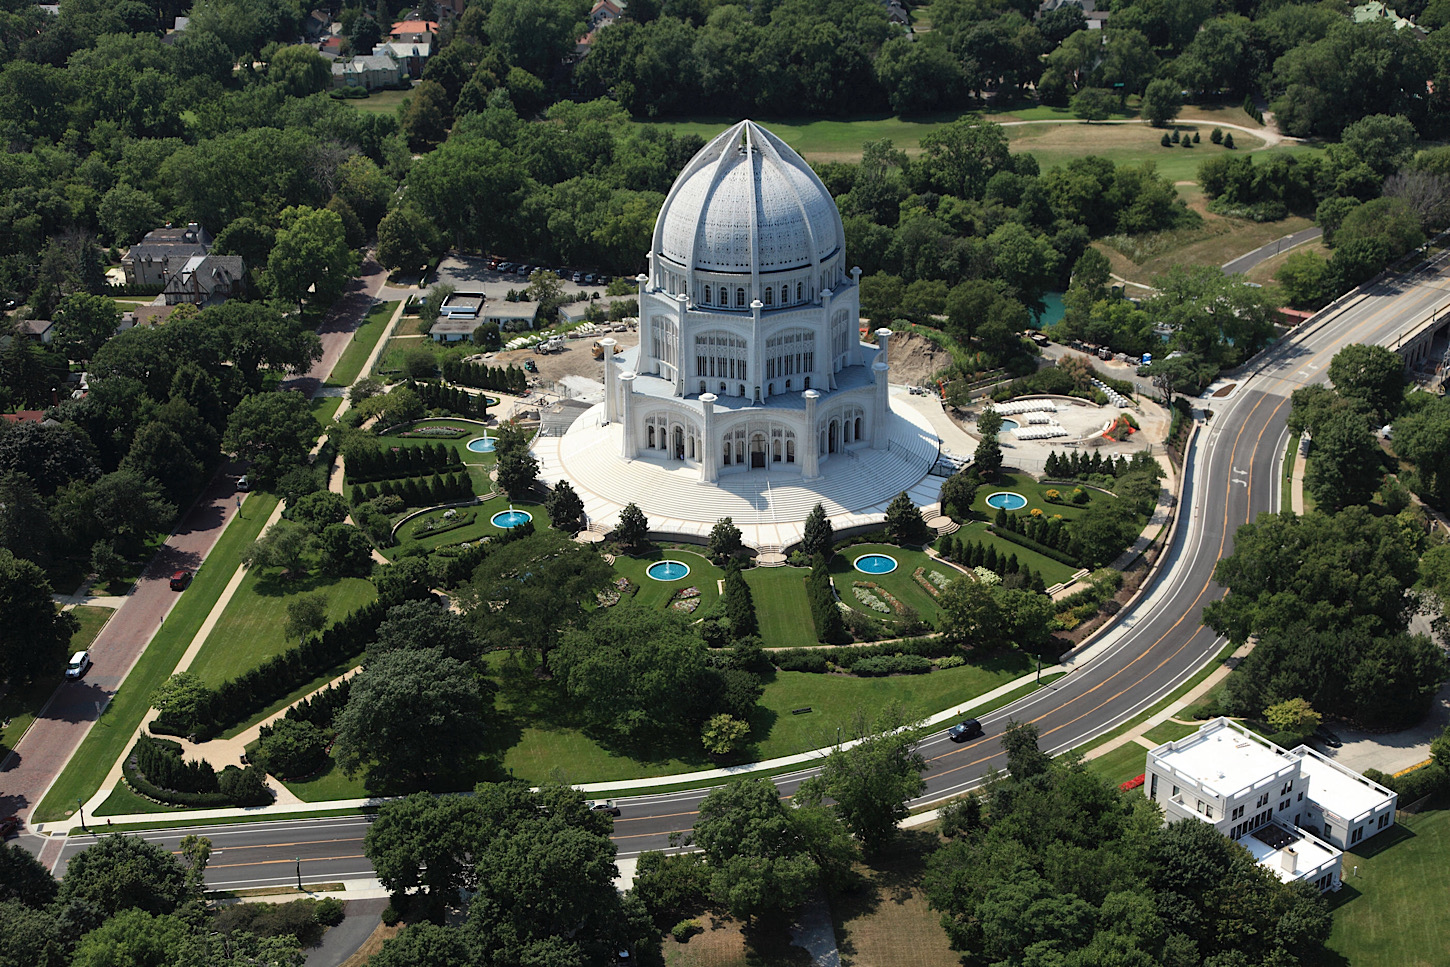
<point>915,359</point>
<point>576,359</point>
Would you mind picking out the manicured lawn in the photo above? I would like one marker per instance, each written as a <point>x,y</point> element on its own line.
<point>378,102</point>
<point>1052,571</point>
<point>123,802</point>
<point>658,594</point>
<point>349,365</point>
<point>1036,494</point>
<point>547,744</point>
<point>1386,914</point>
<point>885,920</point>
<point>92,620</point>
<point>251,628</point>
<point>899,582</point>
<point>411,534</point>
<point>1057,144</point>
<point>391,361</point>
<point>471,431</point>
<point>1123,763</point>
<point>1169,732</point>
<point>108,738</point>
<point>328,785</point>
<point>781,606</point>
<point>324,408</point>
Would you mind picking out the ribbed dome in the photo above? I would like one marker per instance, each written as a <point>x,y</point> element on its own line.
<point>748,202</point>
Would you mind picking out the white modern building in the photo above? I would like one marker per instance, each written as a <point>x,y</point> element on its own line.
<point>1293,810</point>
<point>750,378</point>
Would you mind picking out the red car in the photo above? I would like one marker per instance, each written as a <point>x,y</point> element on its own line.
<point>10,826</point>
<point>181,580</point>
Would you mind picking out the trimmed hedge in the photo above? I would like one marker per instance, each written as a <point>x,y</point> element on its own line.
<point>1023,541</point>
<point>892,665</point>
<point>155,767</point>
<point>364,464</point>
<point>508,380</point>
<point>418,491</point>
<point>830,628</point>
<point>818,660</point>
<point>452,399</point>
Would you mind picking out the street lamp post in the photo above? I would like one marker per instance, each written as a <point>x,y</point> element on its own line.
<point>1039,669</point>
<point>81,807</point>
<point>299,874</point>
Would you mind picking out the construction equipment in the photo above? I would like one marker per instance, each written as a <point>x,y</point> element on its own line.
<point>599,350</point>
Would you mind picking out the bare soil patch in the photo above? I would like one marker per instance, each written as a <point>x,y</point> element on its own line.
<point>915,359</point>
<point>576,359</point>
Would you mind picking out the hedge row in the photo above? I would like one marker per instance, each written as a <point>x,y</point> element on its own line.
<point>975,554</point>
<point>816,659</point>
<point>321,708</point>
<point>1022,540</point>
<point>829,626</point>
<point>418,491</point>
<point>237,700</point>
<point>452,399</point>
<point>510,380</point>
<point>154,762</point>
<point>892,665</point>
<point>385,463</point>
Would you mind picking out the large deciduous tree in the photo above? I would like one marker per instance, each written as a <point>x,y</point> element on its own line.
<point>272,430</point>
<point>530,591</point>
<point>1372,374</point>
<point>84,323</point>
<point>310,258</point>
<point>34,636</point>
<point>872,781</point>
<point>124,872</point>
<point>411,716</point>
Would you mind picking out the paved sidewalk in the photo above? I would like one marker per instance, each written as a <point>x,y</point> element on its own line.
<point>1296,484</point>
<point>814,933</point>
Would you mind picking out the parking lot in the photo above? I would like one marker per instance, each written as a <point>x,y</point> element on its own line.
<point>472,274</point>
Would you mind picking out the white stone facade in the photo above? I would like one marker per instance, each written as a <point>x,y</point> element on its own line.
<point>750,356</point>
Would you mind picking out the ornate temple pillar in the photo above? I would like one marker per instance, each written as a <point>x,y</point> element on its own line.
<point>810,448</point>
<point>628,448</point>
<point>611,384</point>
<point>709,472</point>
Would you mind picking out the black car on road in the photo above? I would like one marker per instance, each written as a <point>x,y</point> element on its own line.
<point>964,730</point>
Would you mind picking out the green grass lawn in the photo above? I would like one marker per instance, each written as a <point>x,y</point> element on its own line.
<point>108,738</point>
<point>781,606</point>
<point>251,628</point>
<point>658,594</point>
<point>411,534</point>
<point>546,743</point>
<point>378,102</point>
<point>324,408</point>
<point>1052,571</point>
<point>349,365</point>
<point>123,802</point>
<point>1123,763</point>
<point>391,360</point>
<point>1168,732</point>
<point>472,431</point>
<point>899,582</point>
<point>328,785</point>
<point>1036,494</point>
<point>1385,916</point>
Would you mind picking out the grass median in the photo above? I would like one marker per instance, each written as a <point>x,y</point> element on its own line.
<point>107,739</point>
<point>349,365</point>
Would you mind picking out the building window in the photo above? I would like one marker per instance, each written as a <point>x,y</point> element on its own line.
<point>784,294</point>
<point>1285,804</point>
<point>740,298</point>
<point>707,295</point>
<point>797,292</point>
<point>1238,813</point>
<point>1287,787</point>
<point>1300,796</point>
<point>1356,836</point>
<point>1384,821</point>
<point>769,295</point>
<point>1262,801</point>
<point>1175,792</point>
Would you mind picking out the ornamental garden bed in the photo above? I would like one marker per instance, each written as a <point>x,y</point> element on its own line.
<point>899,583</point>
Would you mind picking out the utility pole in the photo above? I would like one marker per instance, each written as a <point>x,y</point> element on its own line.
<point>299,874</point>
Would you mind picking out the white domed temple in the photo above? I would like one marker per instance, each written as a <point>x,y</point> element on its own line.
<point>750,394</point>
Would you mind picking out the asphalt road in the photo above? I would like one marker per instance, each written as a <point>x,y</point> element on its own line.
<point>1245,262</point>
<point>1234,474</point>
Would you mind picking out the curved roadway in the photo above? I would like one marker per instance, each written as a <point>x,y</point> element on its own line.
<point>1233,474</point>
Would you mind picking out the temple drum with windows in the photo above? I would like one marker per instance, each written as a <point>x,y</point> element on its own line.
<point>749,352</point>
<point>751,393</point>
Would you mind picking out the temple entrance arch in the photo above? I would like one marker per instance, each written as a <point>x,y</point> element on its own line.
<point>757,451</point>
<point>834,443</point>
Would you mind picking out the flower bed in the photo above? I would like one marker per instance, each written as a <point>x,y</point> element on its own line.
<point>442,525</point>
<point>435,432</point>
<point>610,596</point>
<point>870,600</point>
<point>985,576</point>
<point>686,600</point>
<point>1131,784</point>
<point>876,591</point>
<point>933,584</point>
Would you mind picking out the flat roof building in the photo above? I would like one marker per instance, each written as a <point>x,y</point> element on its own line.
<point>1257,793</point>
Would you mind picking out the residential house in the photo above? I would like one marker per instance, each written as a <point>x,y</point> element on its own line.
<point>162,253</point>
<point>414,32</point>
<point>409,55</point>
<point>897,14</point>
<point>371,72</point>
<point>462,305</point>
<point>207,280</point>
<point>1295,811</point>
<point>152,315</point>
<point>37,330</point>
<point>316,26</point>
<point>604,12</point>
<point>458,329</point>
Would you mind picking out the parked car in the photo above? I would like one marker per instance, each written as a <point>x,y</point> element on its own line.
<point>964,730</point>
<point>181,580</point>
<point>1327,737</point>
<point>79,662</point>
<point>243,483</point>
<point>577,277</point>
<point>10,826</point>
<point>603,806</point>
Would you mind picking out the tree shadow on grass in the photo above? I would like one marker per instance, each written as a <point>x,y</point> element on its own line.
<point>279,584</point>
<point>891,877</point>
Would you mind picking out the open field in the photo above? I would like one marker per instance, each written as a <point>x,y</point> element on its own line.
<point>1057,144</point>
<point>781,606</point>
<point>108,738</point>
<point>323,409</point>
<point>251,628</point>
<point>1385,916</point>
<point>379,102</point>
<point>1123,763</point>
<point>350,363</point>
